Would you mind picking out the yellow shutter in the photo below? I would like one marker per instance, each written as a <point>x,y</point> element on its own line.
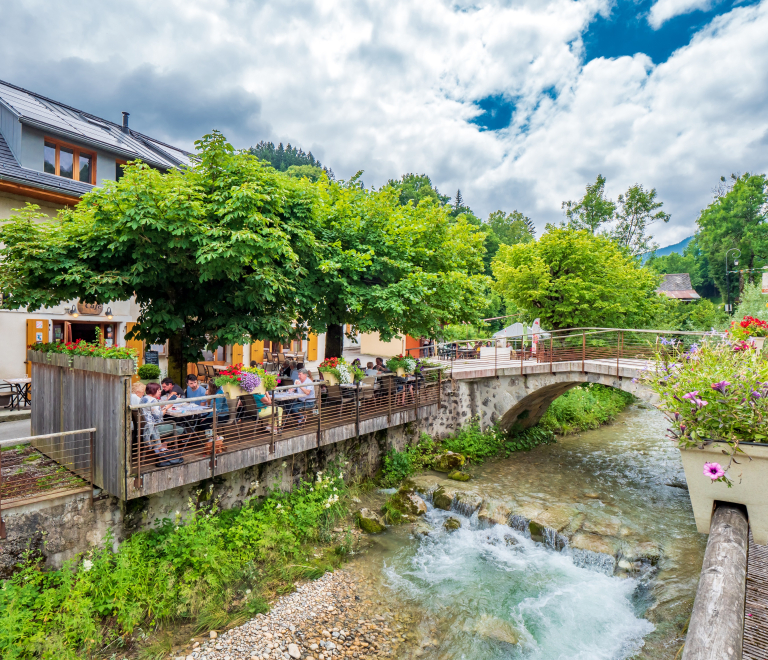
<point>312,347</point>
<point>257,351</point>
<point>37,330</point>
<point>237,354</point>
<point>137,345</point>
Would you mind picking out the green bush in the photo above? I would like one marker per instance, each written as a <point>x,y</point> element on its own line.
<point>148,371</point>
<point>399,465</point>
<point>585,407</point>
<point>192,570</point>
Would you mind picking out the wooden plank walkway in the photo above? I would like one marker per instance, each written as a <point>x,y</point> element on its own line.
<point>756,611</point>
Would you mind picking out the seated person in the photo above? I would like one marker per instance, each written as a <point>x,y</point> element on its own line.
<point>306,390</point>
<point>294,372</point>
<point>171,391</point>
<point>254,364</point>
<point>381,367</point>
<point>370,370</point>
<point>137,391</point>
<point>153,428</point>
<point>264,406</point>
<point>356,363</point>
<point>222,407</point>
<point>194,388</point>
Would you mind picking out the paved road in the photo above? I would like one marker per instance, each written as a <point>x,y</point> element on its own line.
<point>11,430</point>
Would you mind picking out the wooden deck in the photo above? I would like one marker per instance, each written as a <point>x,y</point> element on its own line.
<point>756,611</point>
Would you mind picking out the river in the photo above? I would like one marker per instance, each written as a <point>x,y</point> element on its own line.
<point>489,591</point>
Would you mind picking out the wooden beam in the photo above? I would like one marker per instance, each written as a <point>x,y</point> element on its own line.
<point>716,630</point>
<point>36,193</point>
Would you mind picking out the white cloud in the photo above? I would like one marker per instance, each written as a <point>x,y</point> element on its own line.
<point>663,10</point>
<point>389,88</point>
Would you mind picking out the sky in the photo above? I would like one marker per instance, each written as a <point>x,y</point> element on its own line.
<point>518,103</point>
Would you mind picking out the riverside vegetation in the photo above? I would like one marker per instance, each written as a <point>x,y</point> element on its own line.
<point>208,568</point>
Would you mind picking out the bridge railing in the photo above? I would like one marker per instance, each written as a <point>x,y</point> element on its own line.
<point>613,345</point>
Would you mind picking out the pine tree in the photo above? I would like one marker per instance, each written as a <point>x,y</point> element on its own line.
<point>459,203</point>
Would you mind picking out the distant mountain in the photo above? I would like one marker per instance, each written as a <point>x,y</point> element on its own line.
<point>670,249</point>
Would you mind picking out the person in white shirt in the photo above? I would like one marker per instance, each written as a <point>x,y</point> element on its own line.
<point>137,391</point>
<point>306,390</point>
<point>370,371</point>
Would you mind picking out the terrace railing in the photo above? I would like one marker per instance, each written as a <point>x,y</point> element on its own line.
<point>185,435</point>
<point>615,346</point>
<point>42,467</point>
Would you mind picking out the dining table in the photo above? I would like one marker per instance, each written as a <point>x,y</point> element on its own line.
<point>19,391</point>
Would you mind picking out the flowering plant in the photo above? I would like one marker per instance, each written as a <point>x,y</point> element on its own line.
<point>341,369</point>
<point>81,347</point>
<point>248,378</point>
<point>405,362</point>
<point>716,391</point>
<point>748,327</point>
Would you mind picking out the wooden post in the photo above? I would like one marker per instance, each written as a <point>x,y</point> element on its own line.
<point>583,349</point>
<point>357,409</point>
<point>319,414</point>
<point>416,397</point>
<point>274,424</point>
<point>139,432</point>
<point>551,357</point>
<point>90,461</point>
<point>716,629</point>
<point>389,400</point>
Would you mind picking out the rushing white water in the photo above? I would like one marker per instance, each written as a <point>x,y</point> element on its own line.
<point>481,588</point>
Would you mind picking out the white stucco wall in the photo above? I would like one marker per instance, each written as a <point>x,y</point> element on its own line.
<point>371,344</point>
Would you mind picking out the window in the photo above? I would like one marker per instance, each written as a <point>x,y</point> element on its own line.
<point>119,165</point>
<point>69,161</point>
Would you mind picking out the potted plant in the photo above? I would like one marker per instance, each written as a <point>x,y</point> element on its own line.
<point>149,373</point>
<point>238,380</point>
<point>337,370</point>
<point>716,398</point>
<point>402,365</point>
<point>750,329</point>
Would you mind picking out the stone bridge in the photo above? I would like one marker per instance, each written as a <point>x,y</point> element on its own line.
<point>514,392</point>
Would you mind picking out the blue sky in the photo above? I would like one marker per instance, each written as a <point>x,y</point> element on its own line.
<point>520,103</point>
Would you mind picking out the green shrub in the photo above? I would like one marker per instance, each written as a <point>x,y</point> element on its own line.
<point>191,570</point>
<point>148,371</point>
<point>399,465</point>
<point>585,407</point>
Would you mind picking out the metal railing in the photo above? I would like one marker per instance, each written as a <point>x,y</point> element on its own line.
<point>166,434</point>
<point>617,345</point>
<point>44,466</point>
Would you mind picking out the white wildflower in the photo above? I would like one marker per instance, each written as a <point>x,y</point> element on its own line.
<point>284,464</point>
<point>87,564</point>
<point>279,506</point>
<point>327,505</point>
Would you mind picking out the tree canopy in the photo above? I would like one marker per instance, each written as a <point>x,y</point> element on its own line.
<point>232,249</point>
<point>593,210</point>
<point>415,188</point>
<point>572,278</point>
<point>637,210</point>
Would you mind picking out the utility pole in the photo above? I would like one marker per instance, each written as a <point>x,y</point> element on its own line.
<point>728,306</point>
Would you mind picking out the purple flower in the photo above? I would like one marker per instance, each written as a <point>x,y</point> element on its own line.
<point>249,381</point>
<point>757,394</point>
<point>713,470</point>
<point>721,386</point>
<point>692,395</point>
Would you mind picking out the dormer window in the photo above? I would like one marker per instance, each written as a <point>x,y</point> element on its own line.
<point>69,161</point>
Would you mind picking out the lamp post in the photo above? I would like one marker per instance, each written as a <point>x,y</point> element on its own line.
<point>728,280</point>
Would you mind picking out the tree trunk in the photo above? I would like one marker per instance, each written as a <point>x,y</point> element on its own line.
<point>177,368</point>
<point>334,341</point>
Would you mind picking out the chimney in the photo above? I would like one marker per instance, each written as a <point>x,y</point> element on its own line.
<point>125,121</point>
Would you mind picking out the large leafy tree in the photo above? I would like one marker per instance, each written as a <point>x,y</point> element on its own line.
<point>213,254</point>
<point>638,210</point>
<point>415,188</point>
<point>737,218</point>
<point>593,210</point>
<point>572,278</point>
<point>392,268</point>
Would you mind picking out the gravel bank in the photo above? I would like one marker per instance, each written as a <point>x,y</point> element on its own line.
<point>329,618</point>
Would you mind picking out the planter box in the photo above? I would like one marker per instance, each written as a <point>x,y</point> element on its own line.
<point>101,365</point>
<point>750,484</point>
<point>232,391</point>
<point>330,379</point>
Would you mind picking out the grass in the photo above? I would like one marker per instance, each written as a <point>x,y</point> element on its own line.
<point>585,407</point>
<point>208,570</point>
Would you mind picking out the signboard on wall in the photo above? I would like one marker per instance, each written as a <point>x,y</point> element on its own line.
<point>151,357</point>
<point>88,309</point>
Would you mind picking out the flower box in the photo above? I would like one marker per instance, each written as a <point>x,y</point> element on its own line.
<point>232,391</point>
<point>330,378</point>
<point>750,484</point>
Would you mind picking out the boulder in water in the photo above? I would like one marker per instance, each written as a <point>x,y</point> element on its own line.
<point>452,524</point>
<point>441,500</point>
<point>370,522</point>
<point>458,475</point>
<point>410,486</point>
<point>421,528</point>
<point>448,462</point>
<point>407,503</point>
<point>494,512</point>
<point>595,543</point>
<point>496,629</point>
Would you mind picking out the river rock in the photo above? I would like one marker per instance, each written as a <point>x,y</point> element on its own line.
<point>407,503</point>
<point>559,518</point>
<point>452,524</point>
<point>448,462</point>
<point>595,543</point>
<point>496,629</point>
<point>604,526</point>
<point>494,512</point>
<point>458,475</point>
<point>293,651</point>
<point>441,499</point>
<point>642,551</point>
<point>370,522</point>
<point>421,528</point>
<point>410,486</point>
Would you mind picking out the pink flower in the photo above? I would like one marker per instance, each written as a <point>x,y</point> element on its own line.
<point>713,470</point>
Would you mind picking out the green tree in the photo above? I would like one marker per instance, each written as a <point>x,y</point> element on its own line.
<point>511,228</point>
<point>638,209</point>
<point>692,261</point>
<point>736,219</point>
<point>281,158</point>
<point>213,254</point>
<point>753,303</point>
<point>311,172</point>
<point>572,278</point>
<point>391,268</point>
<point>593,210</point>
<point>415,188</point>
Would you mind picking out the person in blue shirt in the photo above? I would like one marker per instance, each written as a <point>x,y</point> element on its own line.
<point>194,388</point>
<point>222,408</point>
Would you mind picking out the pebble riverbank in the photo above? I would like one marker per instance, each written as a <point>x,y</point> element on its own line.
<point>333,617</point>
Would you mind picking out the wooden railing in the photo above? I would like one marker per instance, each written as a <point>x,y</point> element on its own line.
<point>183,436</point>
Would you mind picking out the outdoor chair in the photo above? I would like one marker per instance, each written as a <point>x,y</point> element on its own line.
<point>201,373</point>
<point>6,395</point>
<point>210,372</point>
<point>280,359</point>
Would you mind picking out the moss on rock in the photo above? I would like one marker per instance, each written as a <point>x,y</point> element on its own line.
<point>452,524</point>
<point>457,475</point>
<point>448,462</point>
<point>370,522</point>
<point>441,500</point>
